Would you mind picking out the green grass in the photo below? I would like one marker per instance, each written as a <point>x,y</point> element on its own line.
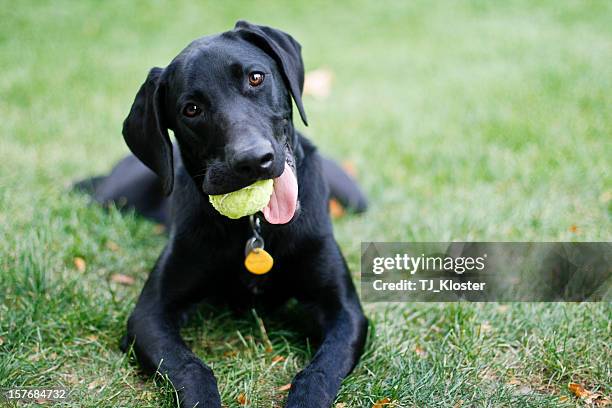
<point>469,120</point>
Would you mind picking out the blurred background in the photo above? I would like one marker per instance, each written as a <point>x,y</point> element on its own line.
<point>468,120</point>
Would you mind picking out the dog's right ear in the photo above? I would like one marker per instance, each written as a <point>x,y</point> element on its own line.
<point>145,130</point>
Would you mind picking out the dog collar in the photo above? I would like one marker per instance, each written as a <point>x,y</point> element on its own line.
<point>256,259</point>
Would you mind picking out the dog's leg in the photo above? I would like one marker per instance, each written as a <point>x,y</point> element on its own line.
<point>344,327</point>
<point>153,329</point>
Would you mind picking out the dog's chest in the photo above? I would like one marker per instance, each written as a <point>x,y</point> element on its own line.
<point>254,284</point>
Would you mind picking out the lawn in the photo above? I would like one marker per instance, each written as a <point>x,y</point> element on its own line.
<point>469,120</point>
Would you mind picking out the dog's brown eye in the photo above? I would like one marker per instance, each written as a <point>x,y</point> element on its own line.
<point>191,110</point>
<point>256,78</point>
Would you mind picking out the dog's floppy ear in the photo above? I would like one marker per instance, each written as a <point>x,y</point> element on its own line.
<point>285,50</point>
<point>146,133</point>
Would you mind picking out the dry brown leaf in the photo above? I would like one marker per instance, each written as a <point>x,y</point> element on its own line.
<point>242,399</point>
<point>382,403</point>
<point>589,397</point>
<point>122,279</point>
<point>578,390</point>
<point>573,228</point>
<point>112,245</point>
<point>276,359</point>
<point>318,83</point>
<point>350,168</point>
<point>283,388</point>
<point>80,264</point>
<point>94,384</point>
<point>458,404</point>
<point>230,353</point>
<point>595,398</point>
<point>335,208</point>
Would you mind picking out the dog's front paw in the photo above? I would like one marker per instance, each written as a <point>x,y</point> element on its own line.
<point>312,389</point>
<point>196,386</point>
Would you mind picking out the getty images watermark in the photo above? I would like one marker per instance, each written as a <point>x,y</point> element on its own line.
<point>412,264</point>
<point>486,271</point>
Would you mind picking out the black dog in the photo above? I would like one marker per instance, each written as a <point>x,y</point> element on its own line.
<point>228,100</point>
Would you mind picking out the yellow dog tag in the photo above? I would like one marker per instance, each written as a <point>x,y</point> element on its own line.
<point>258,261</point>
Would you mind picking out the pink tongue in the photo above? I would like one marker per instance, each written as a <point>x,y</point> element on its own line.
<point>283,200</point>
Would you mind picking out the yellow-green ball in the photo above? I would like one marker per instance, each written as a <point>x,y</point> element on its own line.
<point>246,201</point>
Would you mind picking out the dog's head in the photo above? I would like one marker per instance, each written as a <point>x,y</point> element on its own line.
<point>227,98</point>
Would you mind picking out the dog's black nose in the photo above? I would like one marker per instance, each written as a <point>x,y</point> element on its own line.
<point>253,161</point>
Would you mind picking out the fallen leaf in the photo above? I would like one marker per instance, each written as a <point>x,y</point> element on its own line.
<point>242,399</point>
<point>573,228</point>
<point>593,399</point>
<point>269,349</point>
<point>94,384</point>
<point>596,398</point>
<point>514,381</point>
<point>92,337</point>
<point>318,83</point>
<point>122,279</point>
<point>276,359</point>
<point>589,397</point>
<point>80,264</point>
<point>112,245</point>
<point>563,398</point>
<point>230,353</point>
<point>381,403</point>
<point>350,168</point>
<point>578,390</point>
<point>283,388</point>
<point>335,208</point>
<point>458,404</point>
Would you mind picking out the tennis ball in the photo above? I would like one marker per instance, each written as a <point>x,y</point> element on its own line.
<point>246,201</point>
